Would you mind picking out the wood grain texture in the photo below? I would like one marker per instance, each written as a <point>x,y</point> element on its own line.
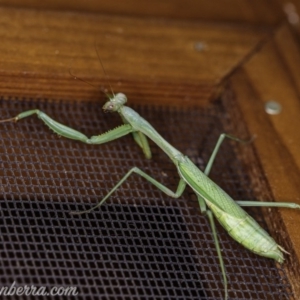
<point>142,56</point>
<point>155,60</point>
<point>271,74</point>
<point>248,11</point>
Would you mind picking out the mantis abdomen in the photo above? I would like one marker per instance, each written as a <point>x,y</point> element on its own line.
<point>239,225</point>
<point>247,232</point>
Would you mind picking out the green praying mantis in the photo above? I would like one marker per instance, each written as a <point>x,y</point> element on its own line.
<point>213,200</point>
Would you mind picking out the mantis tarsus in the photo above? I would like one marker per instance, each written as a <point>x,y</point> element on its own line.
<point>213,201</point>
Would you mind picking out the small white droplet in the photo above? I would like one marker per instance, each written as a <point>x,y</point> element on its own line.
<point>273,108</point>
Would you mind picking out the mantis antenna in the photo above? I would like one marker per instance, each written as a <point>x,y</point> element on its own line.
<point>85,81</point>
<point>76,77</point>
<point>103,68</point>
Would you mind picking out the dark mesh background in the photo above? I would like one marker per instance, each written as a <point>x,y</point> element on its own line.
<point>141,244</point>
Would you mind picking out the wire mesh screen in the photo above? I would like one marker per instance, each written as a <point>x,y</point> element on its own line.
<point>140,244</point>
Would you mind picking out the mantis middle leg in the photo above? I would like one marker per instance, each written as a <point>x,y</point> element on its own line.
<point>178,193</point>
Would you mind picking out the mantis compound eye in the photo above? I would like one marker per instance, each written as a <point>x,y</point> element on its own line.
<point>111,106</point>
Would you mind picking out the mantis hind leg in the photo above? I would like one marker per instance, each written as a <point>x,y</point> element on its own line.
<point>178,193</point>
<point>217,148</point>
<point>268,204</point>
<point>210,216</point>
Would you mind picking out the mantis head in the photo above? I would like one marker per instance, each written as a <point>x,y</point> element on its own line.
<point>115,103</point>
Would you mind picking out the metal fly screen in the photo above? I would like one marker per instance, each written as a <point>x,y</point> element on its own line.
<point>141,244</point>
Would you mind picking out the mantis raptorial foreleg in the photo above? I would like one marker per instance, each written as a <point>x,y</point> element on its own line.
<point>70,133</point>
<point>178,193</point>
<point>142,141</point>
